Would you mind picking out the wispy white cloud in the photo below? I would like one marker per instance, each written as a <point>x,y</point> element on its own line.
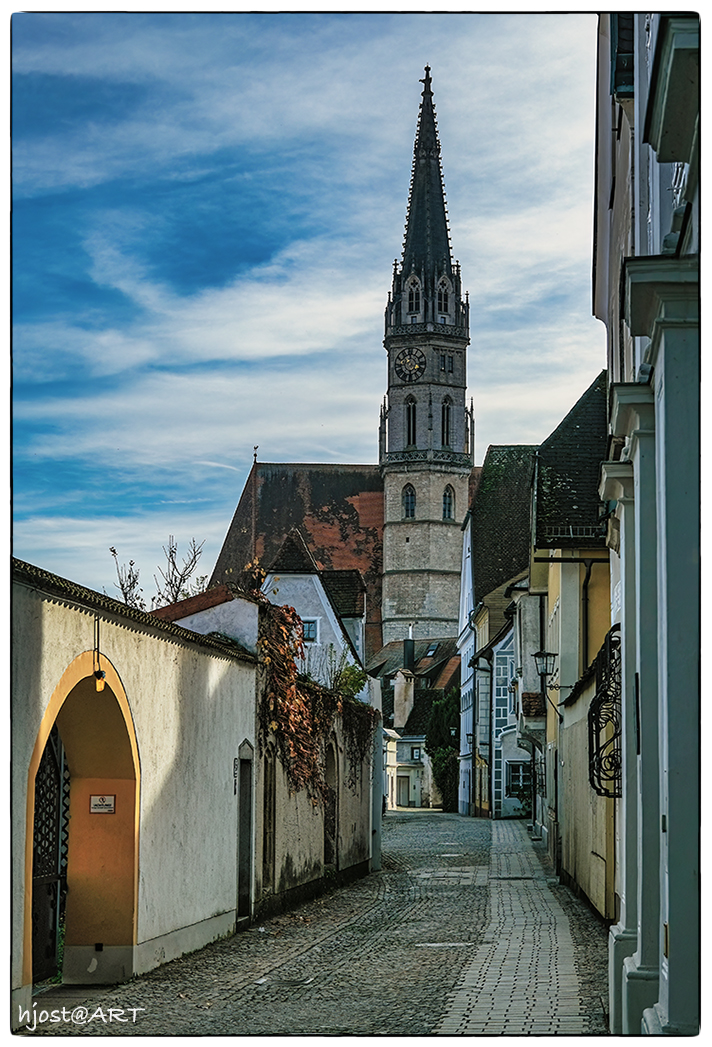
<point>77,547</point>
<point>170,392</point>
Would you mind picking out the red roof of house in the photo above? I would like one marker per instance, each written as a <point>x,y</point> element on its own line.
<point>210,598</point>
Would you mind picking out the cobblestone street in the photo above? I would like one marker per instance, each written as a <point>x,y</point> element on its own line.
<point>465,930</point>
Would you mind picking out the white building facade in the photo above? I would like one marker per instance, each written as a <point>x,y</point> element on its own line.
<point>646,291</point>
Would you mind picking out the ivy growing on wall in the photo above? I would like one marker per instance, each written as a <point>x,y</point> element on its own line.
<point>298,714</point>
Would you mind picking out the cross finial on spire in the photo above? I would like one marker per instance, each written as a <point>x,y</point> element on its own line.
<point>426,79</point>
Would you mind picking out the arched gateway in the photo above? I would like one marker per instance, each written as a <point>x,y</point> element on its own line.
<point>87,741</point>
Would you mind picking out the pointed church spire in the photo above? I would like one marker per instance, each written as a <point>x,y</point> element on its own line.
<point>427,238</point>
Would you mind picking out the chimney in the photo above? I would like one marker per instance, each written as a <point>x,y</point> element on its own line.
<point>409,654</point>
<point>403,697</point>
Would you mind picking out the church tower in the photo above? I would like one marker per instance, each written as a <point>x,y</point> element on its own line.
<point>426,436</point>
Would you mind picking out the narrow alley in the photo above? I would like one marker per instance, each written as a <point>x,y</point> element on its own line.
<point>465,930</point>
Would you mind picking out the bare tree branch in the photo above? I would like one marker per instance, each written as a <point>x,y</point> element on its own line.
<point>128,575</point>
<point>174,586</point>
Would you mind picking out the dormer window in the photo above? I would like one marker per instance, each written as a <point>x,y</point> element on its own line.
<point>414,297</point>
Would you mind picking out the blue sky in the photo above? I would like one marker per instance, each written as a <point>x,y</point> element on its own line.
<point>206,212</point>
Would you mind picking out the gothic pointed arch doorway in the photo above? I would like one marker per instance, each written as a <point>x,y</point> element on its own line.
<point>100,756</point>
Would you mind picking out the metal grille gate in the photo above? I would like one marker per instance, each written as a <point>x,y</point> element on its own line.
<point>49,856</point>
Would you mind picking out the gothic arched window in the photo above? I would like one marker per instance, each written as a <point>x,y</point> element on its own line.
<point>409,502</point>
<point>443,297</point>
<point>414,297</point>
<point>410,422</point>
<point>448,503</point>
<point>445,417</point>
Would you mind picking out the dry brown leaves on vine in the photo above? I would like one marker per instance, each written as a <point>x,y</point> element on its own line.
<point>299,714</point>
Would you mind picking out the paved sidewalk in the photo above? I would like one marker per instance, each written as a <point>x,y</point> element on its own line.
<point>522,980</point>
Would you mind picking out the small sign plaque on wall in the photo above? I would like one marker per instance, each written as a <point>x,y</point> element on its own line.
<point>102,804</point>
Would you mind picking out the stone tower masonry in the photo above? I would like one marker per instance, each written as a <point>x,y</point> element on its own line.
<point>426,436</point>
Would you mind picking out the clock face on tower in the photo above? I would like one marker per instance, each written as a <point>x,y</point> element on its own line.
<point>410,365</point>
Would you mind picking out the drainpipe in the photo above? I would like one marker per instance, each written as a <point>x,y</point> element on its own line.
<point>584,614</point>
<point>544,692</point>
<point>476,726</point>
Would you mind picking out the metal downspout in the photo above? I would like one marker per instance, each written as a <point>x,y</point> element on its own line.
<point>584,599</point>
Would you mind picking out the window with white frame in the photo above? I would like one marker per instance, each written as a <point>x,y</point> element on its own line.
<point>310,630</point>
<point>517,777</point>
<point>512,696</point>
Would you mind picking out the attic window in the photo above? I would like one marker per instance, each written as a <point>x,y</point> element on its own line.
<point>309,631</point>
<point>431,650</point>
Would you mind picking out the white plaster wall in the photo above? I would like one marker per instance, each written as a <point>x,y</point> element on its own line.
<point>305,593</point>
<point>191,710</point>
<point>299,826</point>
<point>587,853</point>
<point>236,618</point>
<point>511,808</point>
<point>390,762</point>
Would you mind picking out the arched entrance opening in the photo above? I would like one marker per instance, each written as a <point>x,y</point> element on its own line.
<point>100,756</point>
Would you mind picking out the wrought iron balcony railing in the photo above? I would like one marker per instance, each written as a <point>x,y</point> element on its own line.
<point>604,720</point>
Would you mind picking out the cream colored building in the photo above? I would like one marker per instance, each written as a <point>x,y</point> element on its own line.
<point>646,292</point>
<point>143,794</point>
<point>133,785</point>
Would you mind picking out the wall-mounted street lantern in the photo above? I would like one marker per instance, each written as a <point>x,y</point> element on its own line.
<point>469,740</point>
<point>545,663</point>
<point>99,674</point>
